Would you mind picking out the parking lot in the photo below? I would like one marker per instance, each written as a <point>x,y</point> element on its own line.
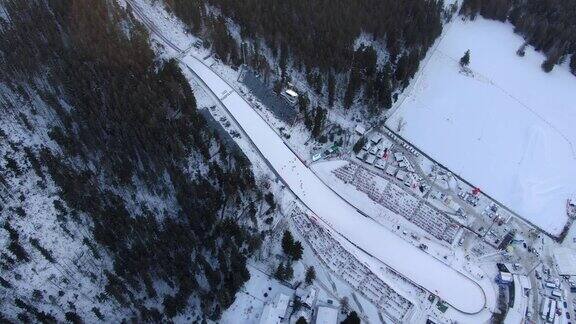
<point>279,107</point>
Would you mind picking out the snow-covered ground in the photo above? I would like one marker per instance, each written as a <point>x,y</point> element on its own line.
<point>507,127</point>
<point>457,289</point>
<point>248,305</point>
<point>364,235</point>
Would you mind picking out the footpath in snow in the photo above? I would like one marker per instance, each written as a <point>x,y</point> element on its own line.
<point>460,291</point>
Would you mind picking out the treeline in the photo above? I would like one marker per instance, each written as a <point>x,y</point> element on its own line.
<point>126,123</point>
<point>319,36</point>
<point>548,25</point>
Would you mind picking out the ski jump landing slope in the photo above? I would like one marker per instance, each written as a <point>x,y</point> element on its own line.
<point>460,291</point>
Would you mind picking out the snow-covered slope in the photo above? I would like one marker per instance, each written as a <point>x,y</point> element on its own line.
<point>459,290</point>
<point>507,127</point>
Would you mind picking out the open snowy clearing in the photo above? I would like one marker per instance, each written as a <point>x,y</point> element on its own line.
<point>457,289</point>
<point>508,128</point>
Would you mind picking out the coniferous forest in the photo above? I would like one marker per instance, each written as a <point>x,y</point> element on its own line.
<point>318,37</point>
<point>119,200</point>
<point>109,124</point>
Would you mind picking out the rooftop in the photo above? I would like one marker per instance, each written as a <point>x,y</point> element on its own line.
<point>275,311</point>
<point>291,93</point>
<point>327,315</point>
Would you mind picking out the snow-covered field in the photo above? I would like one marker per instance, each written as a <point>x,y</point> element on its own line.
<point>457,289</point>
<point>508,128</point>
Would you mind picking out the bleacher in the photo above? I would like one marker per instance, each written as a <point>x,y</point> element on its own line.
<point>344,264</point>
<point>400,201</point>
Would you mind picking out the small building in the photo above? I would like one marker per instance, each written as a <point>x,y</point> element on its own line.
<point>409,181</point>
<point>451,203</point>
<point>505,278</point>
<point>367,146</point>
<point>376,138</point>
<point>401,175</point>
<point>360,129</point>
<point>399,156</point>
<point>380,164</point>
<point>326,315</point>
<point>391,170</point>
<point>374,150</point>
<point>291,96</point>
<point>307,296</point>
<point>274,312</point>
<point>198,43</point>
<point>409,167</point>
<point>361,155</point>
<point>370,159</point>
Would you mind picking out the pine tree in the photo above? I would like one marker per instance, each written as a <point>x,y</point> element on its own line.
<point>288,272</point>
<point>73,317</point>
<point>301,320</point>
<point>297,251</point>
<point>401,68</point>
<point>521,50</point>
<point>283,61</point>
<point>465,59</point>
<point>280,271</point>
<point>97,313</point>
<point>344,304</point>
<point>548,65</point>
<point>359,144</point>
<point>310,275</point>
<point>284,272</point>
<point>331,89</point>
<point>308,122</point>
<point>352,318</point>
<point>303,102</point>
<point>318,121</point>
<point>287,242</point>
<point>317,83</point>
<point>277,86</point>
<point>352,88</point>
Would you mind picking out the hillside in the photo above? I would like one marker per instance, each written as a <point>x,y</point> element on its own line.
<point>350,53</point>
<point>117,201</point>
<point>303,161</point>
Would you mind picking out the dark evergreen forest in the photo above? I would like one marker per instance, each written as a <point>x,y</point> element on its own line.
<point>124,123</point>
<point>319,35</point>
